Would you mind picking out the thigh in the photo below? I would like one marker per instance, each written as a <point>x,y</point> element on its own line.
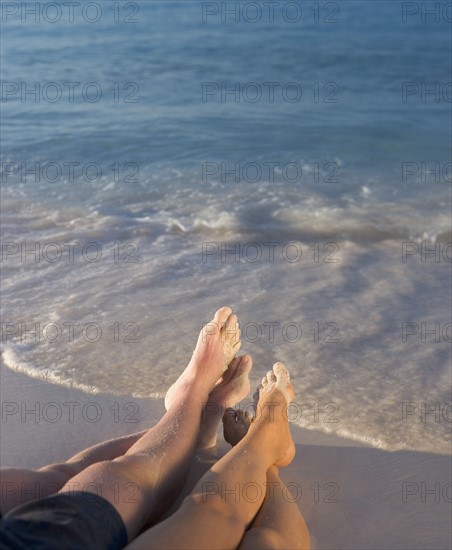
<point>18,486</point>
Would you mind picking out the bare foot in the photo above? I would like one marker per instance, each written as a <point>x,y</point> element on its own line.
<point>218,343</point>
<point>236,424</point>
<point>270,426</point>
<point>232,387</point>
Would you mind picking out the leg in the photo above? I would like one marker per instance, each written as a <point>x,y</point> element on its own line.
<point>148,477</point>
<point>278,524</point>
<point>19,486</point>
<point>233,386</point>
<point>219,510</point>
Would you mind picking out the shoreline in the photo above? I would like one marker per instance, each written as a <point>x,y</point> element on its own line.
<point>51,412</point>
<point>352,495</point>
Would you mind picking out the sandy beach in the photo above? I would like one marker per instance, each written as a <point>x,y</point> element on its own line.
<point>352,496</point>
<point>291,160</point>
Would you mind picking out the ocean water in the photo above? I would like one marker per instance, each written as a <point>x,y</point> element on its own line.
<point>294,166</point>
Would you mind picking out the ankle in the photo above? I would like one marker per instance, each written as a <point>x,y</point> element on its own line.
<point>189,389</point>
<point>268,441</point>
<point>260,448</point>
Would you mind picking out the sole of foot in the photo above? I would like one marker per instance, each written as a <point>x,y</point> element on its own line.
<point>232,387</point>
<point>236,424</point>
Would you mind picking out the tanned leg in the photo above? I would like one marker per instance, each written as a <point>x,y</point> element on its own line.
<point>220,509</point>
<point>279,524</point>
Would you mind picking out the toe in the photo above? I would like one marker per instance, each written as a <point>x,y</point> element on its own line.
<point>280,370</point>
<point>283,378</point>
<point>222,314</point>
<point>234,364</point>
<point>231,324</point>
<point>256,397</point>
<point>271,376</point>
<point>231,371</point>
<point>246,362</point>
<point>228,418</point>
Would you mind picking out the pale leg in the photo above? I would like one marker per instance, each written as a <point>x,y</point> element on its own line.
<point>146,480</point>
<point>19,486</point>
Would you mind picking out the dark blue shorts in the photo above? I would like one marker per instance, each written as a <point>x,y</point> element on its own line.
<point>69,521</point>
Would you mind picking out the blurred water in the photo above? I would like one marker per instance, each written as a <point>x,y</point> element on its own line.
<point>162,189</point>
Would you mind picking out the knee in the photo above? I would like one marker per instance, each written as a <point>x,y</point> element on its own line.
<point>60,473</point>
<point>90,473</point>
<point>262,538</point>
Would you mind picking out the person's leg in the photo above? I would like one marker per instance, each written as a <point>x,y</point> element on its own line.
<point>146,480</point>
<point>279,524</point>
<point>233,386</point>
<point>18,486</point>
<point>227,498</point>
